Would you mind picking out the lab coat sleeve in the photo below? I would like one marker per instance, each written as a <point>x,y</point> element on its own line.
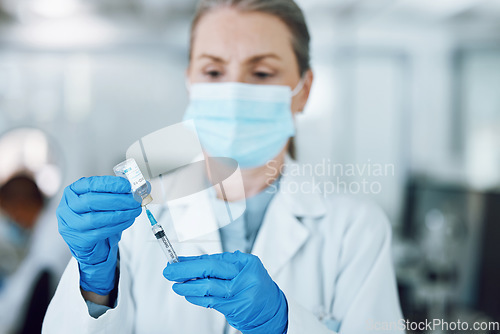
<point>365,293</point>
<point>68,311</point>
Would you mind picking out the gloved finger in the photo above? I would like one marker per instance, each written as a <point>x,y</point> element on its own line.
<point>95,252</point>
<point>90,242</point>
<point>208,302</point>
<point>189,258</point>
<point>237,257</point>
<point>100,202</point>
<point>200,268</point>
<point>101,184</point>
<point>205,287</point>
<point>108,231</point>
<point>91,236</point>
<point>100,219</point>
<point>96,219</point>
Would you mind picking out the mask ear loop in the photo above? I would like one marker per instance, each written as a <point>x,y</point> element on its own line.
<point>299,87</point>
<point>187,84</point>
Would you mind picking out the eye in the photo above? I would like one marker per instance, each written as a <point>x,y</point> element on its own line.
<point>262,75</point>
<point>214,74</point>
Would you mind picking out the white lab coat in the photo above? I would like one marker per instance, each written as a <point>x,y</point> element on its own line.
<point>329,254</point>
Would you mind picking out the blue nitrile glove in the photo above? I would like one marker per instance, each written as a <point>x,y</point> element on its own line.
<point>92,215</point>
<point>235,284</point>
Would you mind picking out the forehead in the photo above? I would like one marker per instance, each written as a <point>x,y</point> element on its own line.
<point>232,34</point>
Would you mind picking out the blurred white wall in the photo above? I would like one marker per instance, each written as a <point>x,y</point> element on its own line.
<point>94,104</point>
<point>384,91</point>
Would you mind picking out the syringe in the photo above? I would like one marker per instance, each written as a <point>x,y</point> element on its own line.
<point>141,189</point>
<point>160,235</point>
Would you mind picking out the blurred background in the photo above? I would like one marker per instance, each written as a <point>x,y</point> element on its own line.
<point>410,83</point>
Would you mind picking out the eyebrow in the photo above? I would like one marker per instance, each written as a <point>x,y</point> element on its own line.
<point>252,60</point>
<point>214,58</point>
<point>257,58</point>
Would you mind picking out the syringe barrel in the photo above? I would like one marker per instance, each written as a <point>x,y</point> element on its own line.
<point>165,244</point>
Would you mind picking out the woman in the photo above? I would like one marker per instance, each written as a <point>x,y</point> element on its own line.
<point>319,264</point>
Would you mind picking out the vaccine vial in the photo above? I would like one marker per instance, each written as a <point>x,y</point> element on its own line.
<point>141,189</point>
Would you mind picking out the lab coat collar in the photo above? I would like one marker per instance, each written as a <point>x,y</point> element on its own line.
<point>298,192</point>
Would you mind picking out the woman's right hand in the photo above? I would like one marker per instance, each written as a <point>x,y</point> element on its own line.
<point>92,215</point>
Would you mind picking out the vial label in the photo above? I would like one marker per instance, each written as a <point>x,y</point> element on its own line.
<point>141,188</point>
<point>135,176</point>
<point>132,173</point>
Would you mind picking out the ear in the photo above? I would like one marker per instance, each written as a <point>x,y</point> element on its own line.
<point>303,97</point>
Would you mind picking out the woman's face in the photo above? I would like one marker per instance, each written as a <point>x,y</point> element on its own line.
<point>248,47</point>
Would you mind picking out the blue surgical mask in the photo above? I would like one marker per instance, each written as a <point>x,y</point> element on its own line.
<point>248,123</point>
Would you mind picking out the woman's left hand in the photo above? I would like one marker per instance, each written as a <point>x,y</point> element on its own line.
<point>235,284</point>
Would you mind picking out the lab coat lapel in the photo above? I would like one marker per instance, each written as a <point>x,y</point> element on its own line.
<point>282,232</point>
<point>280,237</point>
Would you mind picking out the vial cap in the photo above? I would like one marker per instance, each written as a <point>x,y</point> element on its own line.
<point>146,200</point>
